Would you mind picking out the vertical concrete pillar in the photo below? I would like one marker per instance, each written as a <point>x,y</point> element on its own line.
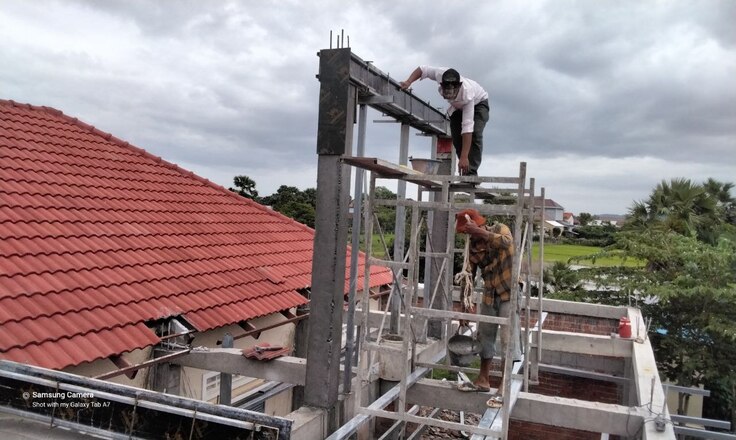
<point>301,340</point>
<point>438,234</point>
<point>226,380</point>
<point>166,377</point>
<point>334,138</point>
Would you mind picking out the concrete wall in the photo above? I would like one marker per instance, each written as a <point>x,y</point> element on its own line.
<point>92,369</point>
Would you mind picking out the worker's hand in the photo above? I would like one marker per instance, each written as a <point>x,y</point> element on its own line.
<point>463,165</point>
<point>405,85</point>
<point>472,229</point>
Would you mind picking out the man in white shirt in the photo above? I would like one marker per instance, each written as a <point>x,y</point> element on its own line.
<point>466,126</point>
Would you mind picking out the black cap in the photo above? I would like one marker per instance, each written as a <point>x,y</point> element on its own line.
<point>450,77</point>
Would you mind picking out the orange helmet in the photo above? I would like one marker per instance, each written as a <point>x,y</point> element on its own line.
<point>461,220</point>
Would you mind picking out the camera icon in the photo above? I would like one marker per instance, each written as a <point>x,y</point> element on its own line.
<point>26,395</point>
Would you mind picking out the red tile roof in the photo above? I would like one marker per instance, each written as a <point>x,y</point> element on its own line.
<point>548,203</point>
<point>98,238</point>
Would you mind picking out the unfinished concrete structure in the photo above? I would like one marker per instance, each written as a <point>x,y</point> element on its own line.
<point>577,380</point>
<point>347,82</point>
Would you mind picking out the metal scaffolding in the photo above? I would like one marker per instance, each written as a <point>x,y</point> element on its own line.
<point>348,83</point>
<point>413,316</point>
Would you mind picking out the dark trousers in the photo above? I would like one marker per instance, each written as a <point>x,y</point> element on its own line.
<point>476,147</point>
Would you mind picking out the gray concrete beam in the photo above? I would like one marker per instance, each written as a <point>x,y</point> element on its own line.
<point>582,309</point>
<point>646,377</point>
<point>607,365</point>
<point>536,408</point>
<point>284,369</point>
<point>444,394</point>
<point>577,414</point>
<point>569,342</point>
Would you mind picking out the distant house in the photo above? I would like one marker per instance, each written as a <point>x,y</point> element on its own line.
<point>553,217</point>
<point>107,252</point>
<point>568,218</point>
<point>552,210</point>
<point>608,219</point>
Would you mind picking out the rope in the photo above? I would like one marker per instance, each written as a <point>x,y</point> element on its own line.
<point>465,276</point>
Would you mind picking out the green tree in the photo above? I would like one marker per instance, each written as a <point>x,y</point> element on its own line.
<point>695,315</point>
<point>596,235</point>
<point>245,186</point>
<point>687,237</point>
<point>294,203</point>
<point>584,218</point>
<point>300,211</point>
<point>688,289</point>
<point>386,214</point>
<point>563,281</point>
<point>725,202</point>
<point>680,206</point>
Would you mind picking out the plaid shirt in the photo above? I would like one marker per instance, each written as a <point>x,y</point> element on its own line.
<point>495,256</point>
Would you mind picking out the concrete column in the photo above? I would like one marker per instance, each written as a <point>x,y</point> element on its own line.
<point>166,377</point>
<point>226,380</point>
<point>301,340</point>
<point>334,138</point>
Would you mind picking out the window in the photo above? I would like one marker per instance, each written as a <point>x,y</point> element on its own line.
<point>211,384</point>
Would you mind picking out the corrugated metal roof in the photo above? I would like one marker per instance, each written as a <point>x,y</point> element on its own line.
<point>98,238</point>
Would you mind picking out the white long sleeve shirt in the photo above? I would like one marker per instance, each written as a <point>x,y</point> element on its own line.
<point>471,93</point>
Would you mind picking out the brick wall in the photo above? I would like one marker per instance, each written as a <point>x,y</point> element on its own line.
<point>535,431</point>
<point>577,323</point>
<point>571,387</point>
<point>559,385</point>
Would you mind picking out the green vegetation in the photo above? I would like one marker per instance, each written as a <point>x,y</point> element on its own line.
<point>288,200</point>
<point>555,252</point>
<point>685,236</point>
<point>378,249</point>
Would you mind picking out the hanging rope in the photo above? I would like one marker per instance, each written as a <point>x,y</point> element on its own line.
<point>465,276</point>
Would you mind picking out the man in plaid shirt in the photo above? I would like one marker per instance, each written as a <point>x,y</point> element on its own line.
<point>491,250</point>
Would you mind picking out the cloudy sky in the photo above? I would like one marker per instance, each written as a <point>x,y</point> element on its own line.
<point>602,99</point>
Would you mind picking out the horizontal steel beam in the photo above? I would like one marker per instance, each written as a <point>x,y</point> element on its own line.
<point>720,424</point>
<point>686,390</point>
<point>61,380</point>
<point>699,433</point>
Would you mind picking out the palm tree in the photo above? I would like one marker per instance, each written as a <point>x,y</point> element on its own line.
<point>245,186</point>
<point>680,206</point>
<point>560,277</point>
<point>721,191</point>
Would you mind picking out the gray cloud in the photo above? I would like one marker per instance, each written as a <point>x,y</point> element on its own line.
<point>229,87</point>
